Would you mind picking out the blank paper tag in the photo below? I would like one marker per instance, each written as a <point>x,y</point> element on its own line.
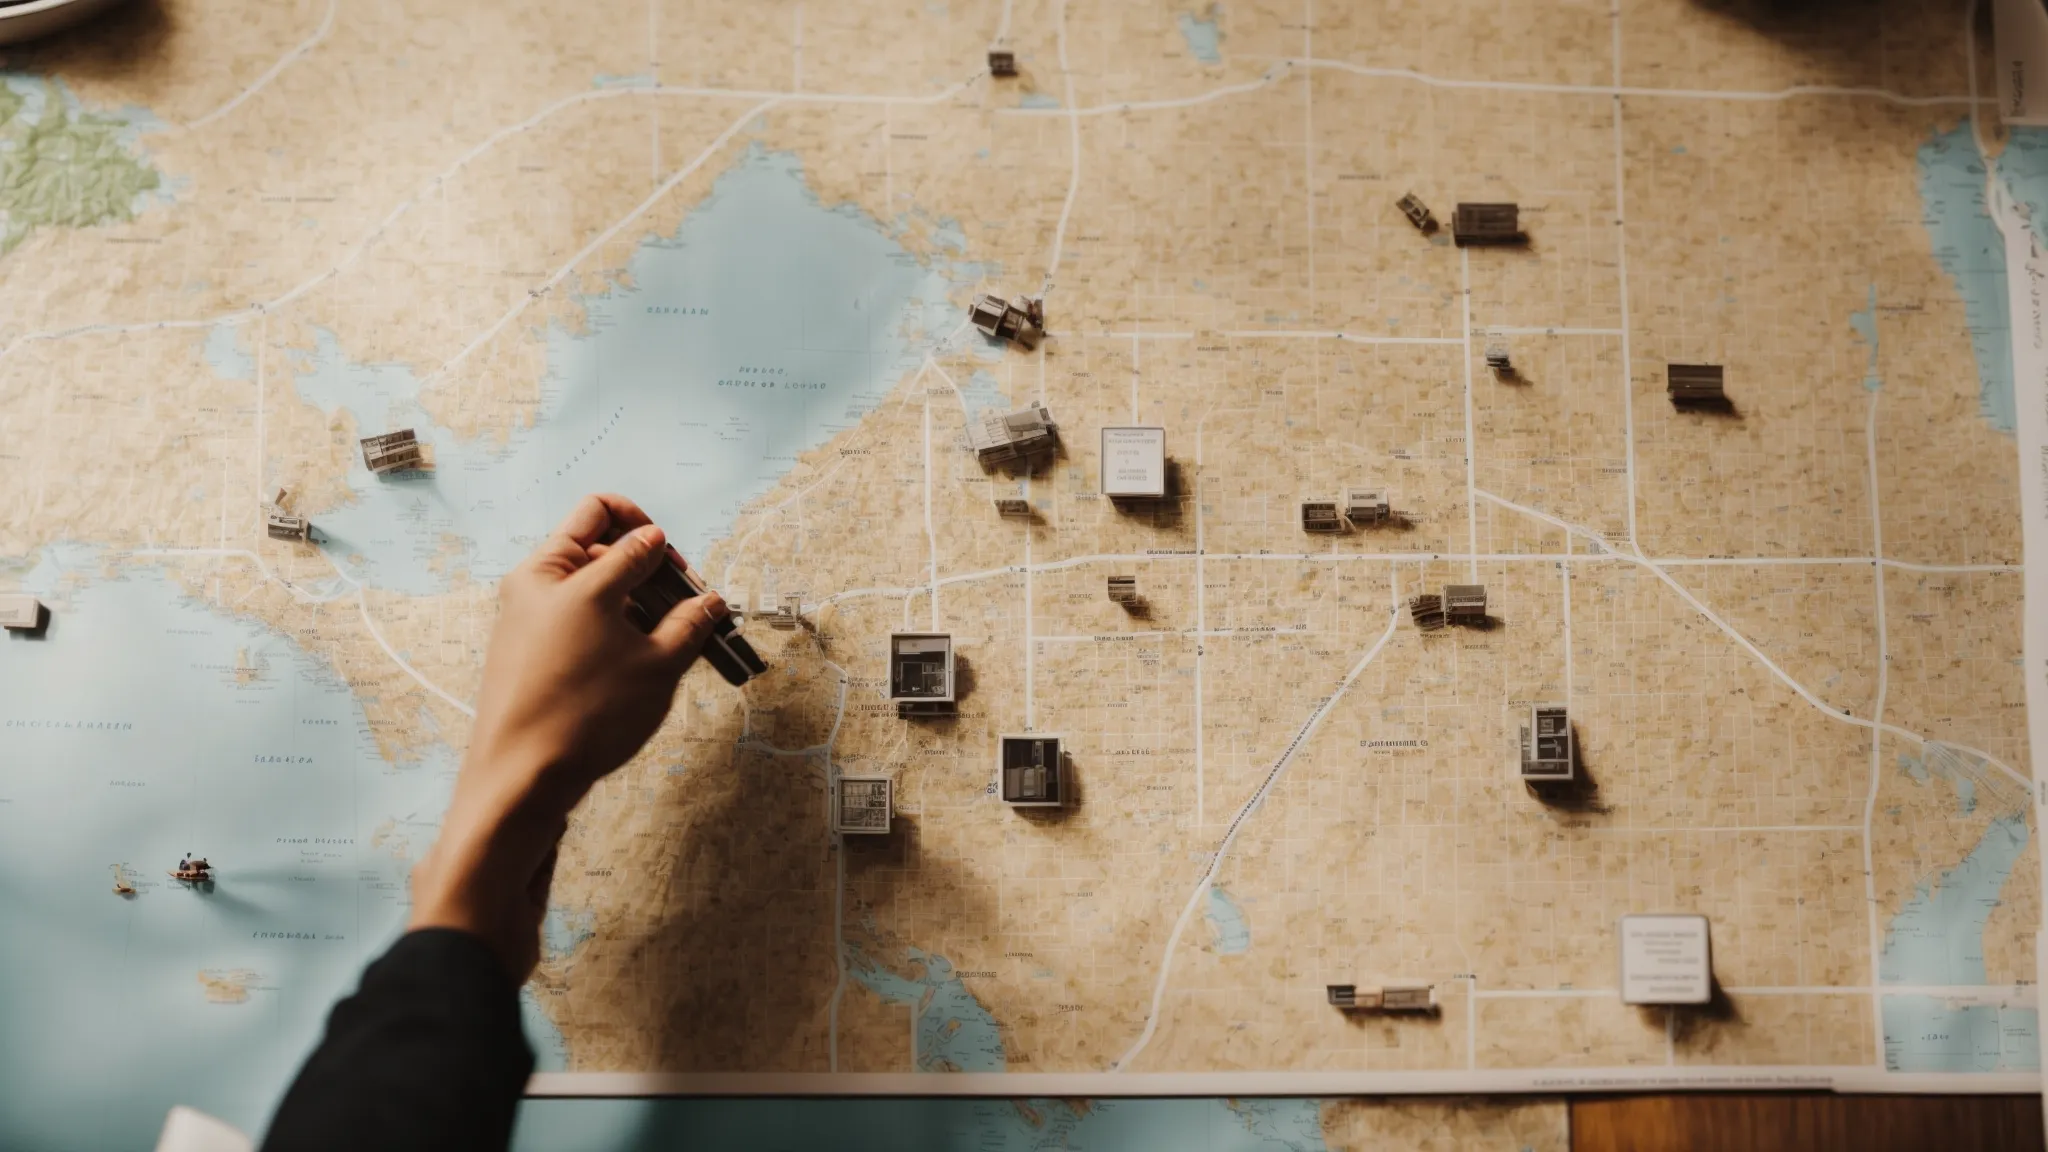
<point>1664,960</point>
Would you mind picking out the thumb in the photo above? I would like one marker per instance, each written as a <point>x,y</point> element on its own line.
<point>683,632</point>
<point>627,563</point>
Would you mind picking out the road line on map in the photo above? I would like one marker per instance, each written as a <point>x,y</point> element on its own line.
<point>1294,747</point>
<point>1839,715</point>
<point>603,238</point>
<point>1471,449</point>
<point>1884,658</point>
<point>273,72</point>
<point>1059,235</point>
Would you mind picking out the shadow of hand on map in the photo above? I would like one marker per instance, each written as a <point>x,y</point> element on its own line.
<point>1693,1023</point>
<point>1838,41</point>
<point>1578,795</point>
<point>109,46</point>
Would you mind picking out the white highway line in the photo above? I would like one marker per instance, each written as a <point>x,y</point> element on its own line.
<point>283,62</point>
<point>1285,67</point>
<point>1471,449</point>
<point>1837,714</point>
<point>661,190</point>
<point>839,881</point>
<point>1301,738</point>
<point>1059,235</point>
<point>363,602</point>
<point>370,239</point>
<point>931,536</point>
<point>1356,338</point>
<point>1884,662</point>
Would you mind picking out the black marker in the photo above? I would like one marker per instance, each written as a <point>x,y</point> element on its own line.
<point>674,583</point>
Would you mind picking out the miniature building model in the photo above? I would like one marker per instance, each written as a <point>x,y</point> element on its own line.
<point>1363,506</point>
<point>1465,603</point>
<point>861,805</point>
<point>20,612</point>
<point>1005,437</point>
<point>790,614</point>
<point>285,526</point>
<point>1388,998</point>
<point>1497,359</point>
<point>998,319</point>
<point>1123,589</point>
<point>391,452</point>
<point>1011,506</point>
<point>921,668</point>
<point>1029,771</point>
<point>1320,516</point>
<point>1486,224</point>
<point>1417,213</point>
<point>1695,384</point>
<point>1002,63</point>
<point>1666,959</point>
<point>1134,463</point>
<point>1427,611</point>
<point>1547,744</point>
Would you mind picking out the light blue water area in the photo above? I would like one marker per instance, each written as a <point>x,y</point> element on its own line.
<point>983,393</point>
<point>925,1125</point>
<point>1226,920</point>
<point>1927,1034</point>
<point>1865,324</point>
<point>765,325</point>
<point>225,355</point>
<point>1203,35</point>
<point>1969,248</point>
<point>954,1032</point>
<point>144,725</point>
<point>563,930</point>
<point>550,1048</point>
<point>1938,938</point>
<point>1038,100</point>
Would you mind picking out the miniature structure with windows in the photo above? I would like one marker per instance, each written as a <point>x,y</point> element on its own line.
<point>1029,771</point>
<point>20,612</point>
<point>1465,603</point>
<point>1007,437</point>
<point>391,452</point>
<point>921,673</point>
<point>788,615</point>
<point>1417,212</point>
<point>1696,385</point>
<point>1123,590</point>
<point>1486,224</point>
<point>1427,611</point>
<point>1001,63</point>
<point>1387,998</point>
<point>283,525</point>
<point>1320,516</point>
<point>1012,507</point>
<point>861,805</point>
<point>1497,359</point>
<point>1547,743</point>
<point>1366,506</point>
<point>998,319</point>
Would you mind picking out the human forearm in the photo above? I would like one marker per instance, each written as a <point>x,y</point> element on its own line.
<point>428,1054</point>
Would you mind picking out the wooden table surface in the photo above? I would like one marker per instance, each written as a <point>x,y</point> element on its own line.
<point>1808,1122</point>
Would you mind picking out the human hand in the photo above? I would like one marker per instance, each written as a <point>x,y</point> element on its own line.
<point>571,690</point>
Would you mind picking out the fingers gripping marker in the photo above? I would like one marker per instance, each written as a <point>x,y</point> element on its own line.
<point>673,583</point>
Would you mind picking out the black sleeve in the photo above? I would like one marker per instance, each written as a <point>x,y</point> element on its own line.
<point>428,1054</point>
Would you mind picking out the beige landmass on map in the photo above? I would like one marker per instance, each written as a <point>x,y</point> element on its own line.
<point>435,189</point>
<point>227,985</point>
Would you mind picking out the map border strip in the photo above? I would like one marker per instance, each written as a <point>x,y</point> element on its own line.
<point>1104,1085</point>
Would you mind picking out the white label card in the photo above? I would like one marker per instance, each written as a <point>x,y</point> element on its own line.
<point>1134,462</point>
<point>1664,960</point>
